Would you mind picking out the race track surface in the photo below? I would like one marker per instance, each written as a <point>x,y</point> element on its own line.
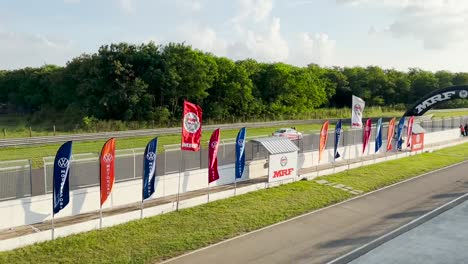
<point>323,235</point>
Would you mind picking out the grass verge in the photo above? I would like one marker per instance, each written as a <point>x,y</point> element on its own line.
<point>164,236</point>
<point>376,176</point>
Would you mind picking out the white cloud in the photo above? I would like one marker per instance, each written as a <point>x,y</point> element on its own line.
<point>439,24</point>
<point>313,48</point>
<point>203,38</point>
<point>190,5</point>
<point>256,34</point>
<point>25,50</point>
<point>128,6</point>
<point>265,46</point>
<point>256,10</point>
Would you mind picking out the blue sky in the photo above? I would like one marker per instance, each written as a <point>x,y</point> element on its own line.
<point>429,34</point>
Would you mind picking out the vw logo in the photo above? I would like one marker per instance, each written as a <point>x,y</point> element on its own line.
<point>323,133</point>
<point>214,144</point>
<point>367,129</point>
<point>62,163</point>
<point>150,156</point>
<point>283,161</point>
<point>463,94</point>
<point>338,131</point>
<point>240,142</point>
<point>108,158</point>
<point>191,122</point>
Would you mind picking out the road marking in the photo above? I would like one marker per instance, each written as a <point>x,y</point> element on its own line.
<point>340,186</point>
<point>311,213</point>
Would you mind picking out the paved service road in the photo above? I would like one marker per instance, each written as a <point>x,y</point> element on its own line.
<point>326,234</point>
<point>443,239</point>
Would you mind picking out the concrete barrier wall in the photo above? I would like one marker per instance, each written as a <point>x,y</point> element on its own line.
<point>39,208</point>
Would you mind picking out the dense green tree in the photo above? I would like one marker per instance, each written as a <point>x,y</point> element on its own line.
<point>422,83</point>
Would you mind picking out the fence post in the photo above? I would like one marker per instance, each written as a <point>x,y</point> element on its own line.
<point>45,175</point>
<point>164,170</point>
<point>30,177</point>
<point>134,164</point>
<point>54,130</point>
<point>4,132</point>
<point>200,157</point>
<point>224,148</point>
<point>30,131</point>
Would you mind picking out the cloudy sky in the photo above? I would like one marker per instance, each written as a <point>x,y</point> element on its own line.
<point>429,34</point>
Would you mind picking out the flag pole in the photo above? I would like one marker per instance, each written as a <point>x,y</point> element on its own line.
<point>53,208</point>
<point>235,185</point>
<point>208,192</point>
<point>53,226</point>
<point>100,217</point>
<point>178,184</point>
<point>141,211</point>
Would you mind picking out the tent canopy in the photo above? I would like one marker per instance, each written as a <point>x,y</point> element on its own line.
<point>277,145</point>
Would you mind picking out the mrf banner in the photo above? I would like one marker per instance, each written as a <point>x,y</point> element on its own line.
<point>191,127</point>
<point>323,138</point>
<point>149,168</point>
<point>357,109</point>
<point>409,131</point>
<point>213,174</point>
<point>107,171</point>
<point>338,130</point>
<point>401,125</point>
<point>240,153</point>
<point>366,135</point>
<point>61,175</point>
<point>378,135</point>
<point>391,131</point>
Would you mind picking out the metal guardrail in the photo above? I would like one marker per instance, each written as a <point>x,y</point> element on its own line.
<point>146,132</point>
<point>153,132</point>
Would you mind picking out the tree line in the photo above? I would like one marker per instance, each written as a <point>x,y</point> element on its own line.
<point>149,82</point>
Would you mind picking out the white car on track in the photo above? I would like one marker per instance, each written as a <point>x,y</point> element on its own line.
<point>290,133</point>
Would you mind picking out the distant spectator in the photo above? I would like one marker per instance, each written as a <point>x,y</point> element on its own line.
<point>466,129</point>
<point>462,130</point>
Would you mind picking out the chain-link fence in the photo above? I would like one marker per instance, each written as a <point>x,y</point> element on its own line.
<point>17,179</point>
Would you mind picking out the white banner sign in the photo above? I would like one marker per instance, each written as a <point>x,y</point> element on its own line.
<point>357,109</point>
<point>282,166</point>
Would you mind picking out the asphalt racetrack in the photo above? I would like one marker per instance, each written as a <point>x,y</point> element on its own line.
<point>326,234</point>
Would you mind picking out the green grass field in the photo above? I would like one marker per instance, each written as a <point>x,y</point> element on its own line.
<point>17,126</point>
<point>164,236</point>
<point>35,153</point>
<point>454,113</point>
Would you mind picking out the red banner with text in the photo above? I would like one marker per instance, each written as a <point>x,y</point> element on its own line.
<point>366,135</point>
<point>213,174</point>
<point>191,127</point>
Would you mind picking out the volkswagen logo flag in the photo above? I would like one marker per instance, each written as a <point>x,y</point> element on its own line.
<point>61,175</point>
<point>338,130</point>
<point>240,153</point>
<point>149,168</point>
<point>399,138</point>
